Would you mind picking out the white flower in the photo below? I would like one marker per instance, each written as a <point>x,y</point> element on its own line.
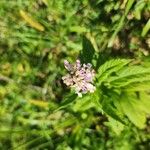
<point>80,77</point>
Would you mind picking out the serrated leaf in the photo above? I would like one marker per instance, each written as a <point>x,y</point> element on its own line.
<point>112,63</point>
<point>133,70</point>
<point>128,81</point>
<point>110,110</point>
<point>109,67</point>
<point>131,108</point>
<point>145,100</point>
<point>129,72</point>
<point>88,101</point>
<point>144,86</point>
<point>115,125</point>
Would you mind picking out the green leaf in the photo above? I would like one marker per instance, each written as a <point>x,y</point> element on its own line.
<point>138,8</point>
<point>144,86</point>
<point>115,125</point>
<point>88,101</point>
<point>27,144</point>
<point>83,104</point>
<point>133,70</point>
<point>146,28</point>
<point>128,81</point>
<point>109,67</point>
<point>87,52</point>
<point>111,64</point>
<point>110,110</point>
<point>145,100</point>
<point>131,108</point>
<point>129,72</point>
<point>67,101</point>
<point>78,29</point>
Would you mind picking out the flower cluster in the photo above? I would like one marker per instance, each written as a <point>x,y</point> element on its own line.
<point>80,77</point>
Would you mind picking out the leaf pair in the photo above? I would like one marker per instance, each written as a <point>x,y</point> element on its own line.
<point>120,80</point>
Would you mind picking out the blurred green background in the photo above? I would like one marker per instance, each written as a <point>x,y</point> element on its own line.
<point>36,36</point>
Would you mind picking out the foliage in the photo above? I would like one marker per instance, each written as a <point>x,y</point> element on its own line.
<point>37,111</point>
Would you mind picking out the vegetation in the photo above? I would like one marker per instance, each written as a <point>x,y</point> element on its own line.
<point>38,111</point>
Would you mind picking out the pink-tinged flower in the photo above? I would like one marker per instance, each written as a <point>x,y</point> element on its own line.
<point>68,66</point>
<point>80,77</point>
<point>68,80</point>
